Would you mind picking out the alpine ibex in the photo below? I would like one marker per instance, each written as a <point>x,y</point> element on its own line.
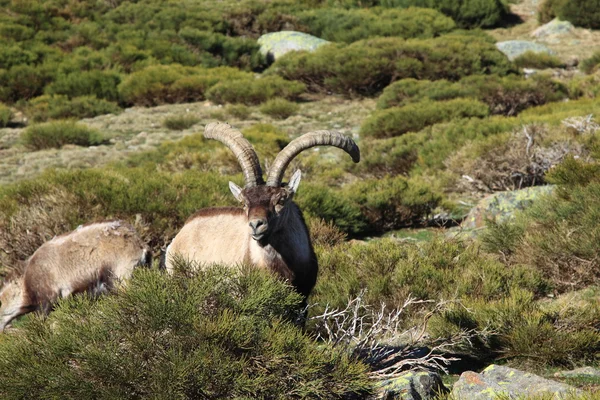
<point>92,258</point>
<point>269,231</point>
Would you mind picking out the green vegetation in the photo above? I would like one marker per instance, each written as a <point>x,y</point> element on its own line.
<point>179,123</point>
<point>215,333</point>
<point>57,134</point>
<point>590,65</point>
<point>5,115</point>
<point>279,108</point>
<point>367,66</point>
<point>531,59</point>
<point>584,13</point>
<point>252,91</point>
<point>48,107</point>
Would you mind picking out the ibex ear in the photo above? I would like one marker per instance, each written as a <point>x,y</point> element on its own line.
<point>236,191</point>
<point>294,182</point>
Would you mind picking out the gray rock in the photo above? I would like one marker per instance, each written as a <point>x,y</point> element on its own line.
<point>584,372</point>
<point>412,386</point>
<point>275,44</point>
<point>555,27</point>
<point>497,380</point>
<point>514,48</point>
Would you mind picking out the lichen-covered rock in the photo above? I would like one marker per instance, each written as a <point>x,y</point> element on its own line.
<point>501,206</point>
<point>514,48</point>
<point>583,372</point>
<point>497,380</point>
<point>275,44</point>
<point>555,27</point>
<point>412,386</point>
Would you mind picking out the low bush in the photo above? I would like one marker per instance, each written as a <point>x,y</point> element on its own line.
<point>214,333</point>
<point>466,13</point>
<point>23,82</point>
<point>5,115</point>
<point>47,107</point>
<point>239,111</point>
<point>557,235</point>
<point>592,64</point>
<point>339,25</point>
<point>507,95</point>
<point>414,117</point>
<point>547,10</point>
<point>538,60</point>
<point>367,66</point>
<point>162,84</point>
<point>583,13</point>
<point>180,122</point>
<point>279,108</point>
<point>57,134</point>
<point>251,91</point>
<point>102,84</point>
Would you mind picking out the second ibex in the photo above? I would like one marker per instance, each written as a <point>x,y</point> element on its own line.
<point>269,231</point>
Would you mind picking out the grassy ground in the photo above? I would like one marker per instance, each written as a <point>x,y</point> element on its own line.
<point>138,129</point>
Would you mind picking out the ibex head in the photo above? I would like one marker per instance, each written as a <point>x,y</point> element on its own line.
<point>266,203</point>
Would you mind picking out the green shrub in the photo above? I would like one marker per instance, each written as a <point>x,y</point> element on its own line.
<point>22,82</point>
<point>239,111</point>
<point>435,270</point>
<point>251,91</point>
<point>547,10</point>
<point>367,66</point>
<point>162,84</point>
<point>180,122</point>
<point>504,95</point>
<point>57,134</point>
<point>532,59</point>
<point>557,235</point>
<point>584,13</point>
<point>48,107</point>
<point>414,117</point>
<point>102,84</point>
<point>590,65</point>
<point>279,108</point>
<point>466,13</point>
<point>213,333</point>
<point>339,25</point>
<point>14,55</point>
<point>5,115</point>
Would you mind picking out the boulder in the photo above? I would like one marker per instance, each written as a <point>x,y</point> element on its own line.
<point>501,206</point>
<point>514,48</point>
<point>497,380</point>
<point>555,27</point>
<point>274,45</point>
<point>583,372</point>
<point>421,385</point>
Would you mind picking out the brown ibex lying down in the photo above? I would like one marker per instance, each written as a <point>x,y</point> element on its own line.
<point>92,258</point>
<point>269,231</point>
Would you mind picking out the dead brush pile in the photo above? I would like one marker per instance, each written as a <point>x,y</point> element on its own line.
<point>510,162</point>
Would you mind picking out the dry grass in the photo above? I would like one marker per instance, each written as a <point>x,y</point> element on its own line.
<point>140,129</point>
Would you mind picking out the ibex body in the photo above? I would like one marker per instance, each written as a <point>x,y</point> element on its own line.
<point>92,258</point>
<point>269,231</point>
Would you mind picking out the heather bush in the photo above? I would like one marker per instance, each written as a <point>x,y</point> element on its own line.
<point>252,91</point>
<point>466,13</point>
<point>590,65</point>
<point>57,134</point>
<point>173,84</point>
<point>47,107</point>
<point>583,13</point>
<point>5,115</point>
<point>538,60</point>
<point>339,25</point>
<point>193,334</point>
<point>416,116</point>
<point>367,66</point>
<point>23,82</point>
<point>279,108</point>
<point>557,236</point>
<point>239,111</point>
<point>180,122</point>
<point>405,91</point>
<point>547,10</point>
<point>102,84</point>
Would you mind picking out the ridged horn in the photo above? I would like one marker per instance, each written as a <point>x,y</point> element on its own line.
<point>241,148</point>
<point>306,141</point>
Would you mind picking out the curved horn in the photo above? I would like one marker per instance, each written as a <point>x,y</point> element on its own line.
<point>241,148</point>
<point>306,141</point>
